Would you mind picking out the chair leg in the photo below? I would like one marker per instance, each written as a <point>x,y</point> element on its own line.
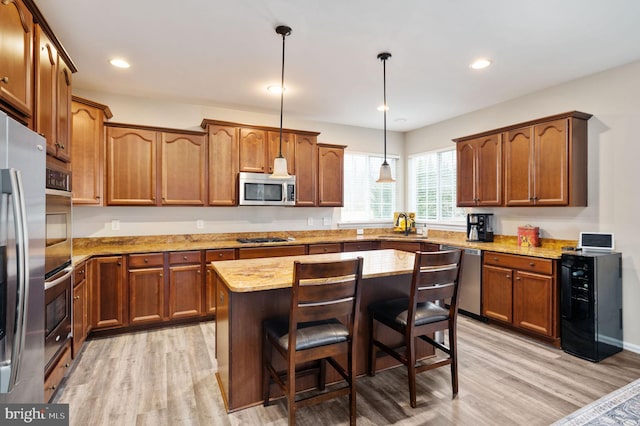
<point>453,348</point>
<point>372,347</point>
<point>352,387</point>
<point>411,370</point>
<point>291,392</point>
<point>322,373</point>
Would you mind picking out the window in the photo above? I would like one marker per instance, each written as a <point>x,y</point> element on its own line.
<point>364,199</point>
<point>432,186</point>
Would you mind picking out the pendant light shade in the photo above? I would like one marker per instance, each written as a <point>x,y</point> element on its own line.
<point>385,169</point>
<point>280,163</point>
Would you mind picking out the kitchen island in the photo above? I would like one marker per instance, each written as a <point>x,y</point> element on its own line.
<point>252,290</point>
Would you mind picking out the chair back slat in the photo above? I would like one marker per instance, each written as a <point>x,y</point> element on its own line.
<point>326,290</point>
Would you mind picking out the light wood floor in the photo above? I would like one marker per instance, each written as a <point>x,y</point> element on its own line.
<point>166,377</point>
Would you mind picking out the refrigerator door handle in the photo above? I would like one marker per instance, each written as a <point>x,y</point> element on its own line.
<point>15,188</point>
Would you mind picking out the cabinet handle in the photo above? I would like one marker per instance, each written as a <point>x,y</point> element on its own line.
<point>495,259</point>
<point>119,264</point>
<point>66,365</point>
<point>4,79</point>
<point>160,275</point>
<point>198,272</point>
<point>97,197</point>
<point>184,257</point>
<point>53,387</point>
<point>517,278</point>
<point>220,254</point>
<point>532,264</point>
<point>221,297</point>
<point>82,272</point>
<point>507,276</point>
<point>76,297</point>
<point>146,261</point>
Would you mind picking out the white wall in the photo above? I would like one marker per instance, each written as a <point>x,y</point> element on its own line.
<point>613,97</point>
<point>97,221</point>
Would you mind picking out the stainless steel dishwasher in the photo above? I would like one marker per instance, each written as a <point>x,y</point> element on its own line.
<point>470,300</point>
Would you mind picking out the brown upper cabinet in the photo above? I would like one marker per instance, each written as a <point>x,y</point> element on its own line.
<point>148,166</point>
<point>87,142</point>
<point>253,150</point>
<point>16,53</point>
<point>330,175</point>
<point>306,169</point>
<point>544,164</point>
<point>223,165</point>
<point>479,180</point>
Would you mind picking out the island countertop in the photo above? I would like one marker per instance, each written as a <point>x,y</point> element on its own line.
<point>249,275</point>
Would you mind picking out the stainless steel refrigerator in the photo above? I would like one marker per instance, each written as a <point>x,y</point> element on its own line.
<point>22,241</point>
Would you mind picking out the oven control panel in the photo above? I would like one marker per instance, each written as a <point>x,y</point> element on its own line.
<point>57,179</point>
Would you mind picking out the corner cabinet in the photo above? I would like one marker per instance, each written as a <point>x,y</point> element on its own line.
<point>544,163</point>
<point>479,181</point>
<point>16,53</point>
<point>87,150</point>
<point>330,175</point>
<point>521,292</point>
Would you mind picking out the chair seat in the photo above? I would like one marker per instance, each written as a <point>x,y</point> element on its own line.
<point>395,311</point>
<point>309,335</point>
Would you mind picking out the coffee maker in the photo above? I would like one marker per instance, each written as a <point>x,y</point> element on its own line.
<point>479,227</point>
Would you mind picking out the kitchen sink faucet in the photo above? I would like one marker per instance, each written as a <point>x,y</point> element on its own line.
<point>406,222</point>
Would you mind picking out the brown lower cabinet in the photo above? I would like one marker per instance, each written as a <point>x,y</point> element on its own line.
<point>80,308</point>
<point>146,288</point>
<point>211,284</point>
<point>410,246</point>
<point>108,292</point>
<point>255,252</point>
<point>57,372</point>
<point>186,284</point>
<point>521,292</point>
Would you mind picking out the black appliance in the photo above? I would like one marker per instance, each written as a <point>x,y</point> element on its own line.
<point>480,227</point>
<point>591,304</point>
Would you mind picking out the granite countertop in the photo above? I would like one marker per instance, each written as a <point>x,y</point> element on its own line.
<point>83,248</point>
<point>270,273</point>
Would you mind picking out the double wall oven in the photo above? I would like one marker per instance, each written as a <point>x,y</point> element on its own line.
<point>58,268</point>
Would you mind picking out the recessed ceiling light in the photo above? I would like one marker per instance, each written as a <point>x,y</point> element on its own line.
<point>275,89</point>
<point>480,64</point>
<point>400,120</point>
<point>119,63</point>
<point>383,108</point>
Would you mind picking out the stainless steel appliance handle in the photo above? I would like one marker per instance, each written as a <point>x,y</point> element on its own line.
<point>14,178</point>
<point>284,191</point>
<point>50,284</point>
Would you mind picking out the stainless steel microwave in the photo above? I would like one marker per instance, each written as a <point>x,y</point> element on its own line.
<point>258,189</point>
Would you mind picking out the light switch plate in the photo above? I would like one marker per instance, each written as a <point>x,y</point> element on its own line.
<point>200,224</point>
<point>359,231</point>
<point>326,221</point>
<point>115,225</point>
<point>310,221</point>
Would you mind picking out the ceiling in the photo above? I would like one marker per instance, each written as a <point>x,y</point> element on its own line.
<point>225,53</point>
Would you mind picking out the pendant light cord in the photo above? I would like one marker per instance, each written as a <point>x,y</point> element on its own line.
<point>384,106</point>
<point>284,35</point>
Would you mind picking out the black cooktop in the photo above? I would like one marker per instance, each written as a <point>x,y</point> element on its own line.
<point>262,240</point>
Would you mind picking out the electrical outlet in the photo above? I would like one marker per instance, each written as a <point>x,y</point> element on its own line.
<point>199,224</point>
<point>115,225</point>
<point>326,221</point>
<point>310,221</point>
<point>359,231</point>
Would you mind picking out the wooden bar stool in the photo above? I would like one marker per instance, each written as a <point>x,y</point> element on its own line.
<point>322,324</point>
<point>435,278</point>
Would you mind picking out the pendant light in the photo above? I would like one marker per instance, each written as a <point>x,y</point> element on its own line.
<point>280,163</point>
<point>385,169</point>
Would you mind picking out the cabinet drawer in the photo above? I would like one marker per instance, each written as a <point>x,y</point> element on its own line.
<point>185,257</point>
<point>256,252</point>
<point>79,274</point>
<point>324,248</point>
<point>57,373</point>
<point>359,246</point>
<point>523,263</point>
<point>222,254</point>
<point>411,246</point>
<point>146,260</point>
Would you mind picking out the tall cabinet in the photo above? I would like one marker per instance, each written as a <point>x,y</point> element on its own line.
<point>87,150</point>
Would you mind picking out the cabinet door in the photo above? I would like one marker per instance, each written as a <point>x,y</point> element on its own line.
<point>46,62</point>
<point>211,284</point>
<point>330,174</point>
<point>551,175</point>
<point>306,155</point>
<point>533,297</point>
<point>223,166</point>
<point>489,171</point>
<point>80,320</point>
<point>466,153</point>
<point>518,167</point>
<point>185,291</point>
<point>16,50</point>
<point>288,150</point>
<point>131,167</point>
<point>146,295</point>
<point>253,150</point>
<point>184,177</point>
<point>63,111</point>
<point>497,293</point>
<point>109,298</point>
<point>88,153</point>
